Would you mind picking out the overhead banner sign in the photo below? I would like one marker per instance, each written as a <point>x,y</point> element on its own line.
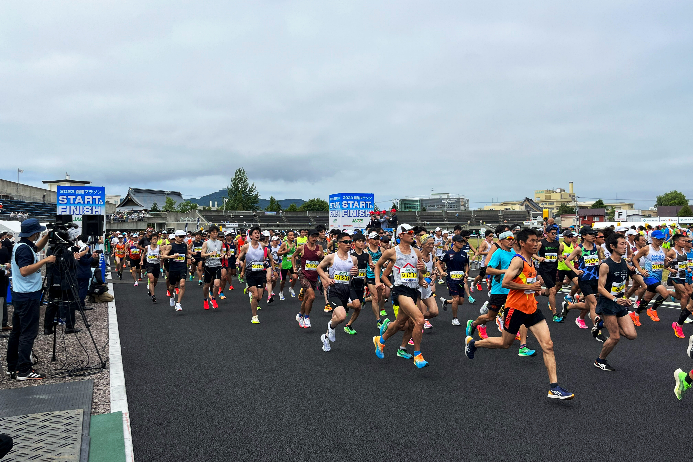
<point>81,200</point>
<point>351,210</point>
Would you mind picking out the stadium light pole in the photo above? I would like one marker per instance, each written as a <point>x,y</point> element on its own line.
<point>19,170</point>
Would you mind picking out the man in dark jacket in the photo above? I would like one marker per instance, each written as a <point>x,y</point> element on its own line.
<point>84,265</point>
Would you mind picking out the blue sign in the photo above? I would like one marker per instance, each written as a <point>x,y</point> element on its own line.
<point>349,210</point>
<point>81,200</point>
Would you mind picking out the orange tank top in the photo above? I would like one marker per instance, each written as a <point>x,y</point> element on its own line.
<point>523,300</point>
<point>120,250</point>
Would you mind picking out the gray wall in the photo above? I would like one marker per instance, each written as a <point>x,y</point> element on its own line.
<point>26,192</point>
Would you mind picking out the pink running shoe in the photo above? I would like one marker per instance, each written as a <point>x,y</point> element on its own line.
<point>482,331</point>
<point>677,330</point>
<point>411,341</point>
<point>580,323</point>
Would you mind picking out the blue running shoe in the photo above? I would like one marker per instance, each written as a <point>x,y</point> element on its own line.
<point>383,326</point>
<point>559,393</point>
<point>569,299</point>
<point>402,353</point>
<point>471,299</point>
<point>469,347</point>
<point>470,328</point>
<point>419,361</point>
<point>378,347</point>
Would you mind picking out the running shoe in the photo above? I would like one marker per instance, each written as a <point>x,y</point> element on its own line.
<point>199,282</point>
<point>569,299</point>
<point>379,347</point>
<point>603,365</point>
<point>179,307</point>
<point>402,353</point>
<point>328,308</point>
<point>255,320</point>
<point>455,322</point>
<point>482,331</point>
<point>690,347</point>
<point>478,286</point>
<point>33,375</point>
<point>306,322</point>
<point>484,308</point>
<point>299,318</point>
<point>559,393</point>
<point>441,281</point>
<point>598,336</point>
<point>470,328</point>
<point>419,361</point>
<point>300,294</point>
<point>206,305</point>
<point>281,296</point>
<point>149,293</point>
<point>245,290</point>
<point>524,351</point>
<point>383,313</point>
<point>427,324</point>
<point>564,309</point>
<point>557,318</point>
<point>349,330</point>
<point>325,343</point>
<point>517,336</point>
<point>172,302</point>
<point>635,317</point>
<point>383,325</point>
<point>168,293</point>
<point>653,314</point>
<point>688,320</point>
<point>681,385</point>
<point>580,323</point>
<point>499,323</point>
<point>445,303</point>
<point>291,291</point>
<point>222,296</point>
<point>678,331</point>
<point>177,290</point>
<point>153,298</point>
<point>270,299</point>
<point>230,287</point>
<point>330,332</point>
<point>469,347</point>
<point>215,305</point>
<point>136,284</point>
<point>411,341</point>
<point>471,299</point>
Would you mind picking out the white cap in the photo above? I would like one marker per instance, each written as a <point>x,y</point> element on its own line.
<point>171,236</point>
<point>403,228</point>
<point>266,233</point>
<point>275,238</point>
<point>438,228</point>
<point>373,235</point>
<point>631,232</point>
<point>622,228</point>
<point>445,231</point>
<point>180,232</point>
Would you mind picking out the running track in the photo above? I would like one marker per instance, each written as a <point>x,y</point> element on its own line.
<point>211,386</point>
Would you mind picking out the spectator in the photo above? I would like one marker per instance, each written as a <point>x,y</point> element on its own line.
<point>393,219</point>
<point>4,283</point>
<point>98,290</point>
<point>84,272</point>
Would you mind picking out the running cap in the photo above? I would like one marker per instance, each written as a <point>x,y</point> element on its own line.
<point>171,236</point>
<point>403,228</point>
<point>631,232</point>
<point>438,228</point>
<point>313,232</point>
<point>373,235</point>
<point>657,234</point>
<point>620,229</point>
<point>569,234</point>
<point>587,230</point>
<point>445,231</point>
<point>266,233</point>
<point>503,235</point>
<point>517,227</point>
<point>180,232</point>
<point>458,238</point>
<point>275,238</point>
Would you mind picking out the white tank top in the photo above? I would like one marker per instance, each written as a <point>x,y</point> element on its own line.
<point>404,270</point>
<point>255,258</point>
<point>153,255</point>
<point>214,260</point>
<point>340,270</point>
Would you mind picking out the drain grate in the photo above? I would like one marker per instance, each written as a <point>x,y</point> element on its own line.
<point>49,436</point>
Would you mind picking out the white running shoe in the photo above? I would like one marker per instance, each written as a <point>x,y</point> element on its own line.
<point>281,295</point>
<point>455,322</point>
<point>690,347</point>
<point>172,302</point>
<point>330,332</point>
<point>306,322</point>
<point>178,307</point>
<point>325,343</point>
<point>299,319</point>
<point>291,291</point>
<point>136,284</point>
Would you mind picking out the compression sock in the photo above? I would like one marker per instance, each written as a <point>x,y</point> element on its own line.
<point>643,306</point>
<point>683,316</point>
<point>658,302</point>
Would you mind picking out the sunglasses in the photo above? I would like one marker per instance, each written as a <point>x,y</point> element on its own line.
<point>345,242</point>
<point>410,232</point>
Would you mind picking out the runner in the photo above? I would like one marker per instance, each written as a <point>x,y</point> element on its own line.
<point>547,255</point>
<point>197,261</point>
<point>407,272</point>
<point>152,254</point>
<point>377,298</point>
<point>254,255</point>
<point>564,251</point>
<point>286,252</point>
<point>358,282</point>
<point>612,305</point>
<point>178,254</point>
<point>683,380</point>
<point>135,257</point>
<point>310,255</point>
<point>484,249</point>
<point>654,260</point>
<point>119,255</point>
<point>211,254</point>
<point>521,309</point>
<point>457,268</point>
<point>677,278</point>
<point>427,301</point>
<point>273,272</point>
<point>341,266</point>
<point>228,263</point>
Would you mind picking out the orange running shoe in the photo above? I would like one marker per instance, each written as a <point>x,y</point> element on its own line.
<point>328,308</point>
<point>677,330</point>
<point>636,318</point>
<point>653,314</point>
<point>517,336</point>
<point>206,305</point>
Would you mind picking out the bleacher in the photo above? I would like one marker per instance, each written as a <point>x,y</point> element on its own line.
<point>32,209</point>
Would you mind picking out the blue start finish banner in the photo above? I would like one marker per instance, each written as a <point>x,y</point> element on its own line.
<point>350,210</point>
<point>81,200</point>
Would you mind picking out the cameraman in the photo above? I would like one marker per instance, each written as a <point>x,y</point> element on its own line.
<point>62,286</point>
<point>26,296</point>
<point>84,273</point>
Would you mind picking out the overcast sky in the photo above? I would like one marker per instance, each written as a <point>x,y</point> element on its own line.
<point>490,100</point>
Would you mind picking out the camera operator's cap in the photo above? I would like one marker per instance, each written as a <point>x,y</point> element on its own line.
<point>506,235</point>
<point>657,234</point>
<point>31,227</point>
<point>373,235</point>
<point>180,232</point>
<point>457,238</point>
<point>313,232</point>
<point>517,228</point>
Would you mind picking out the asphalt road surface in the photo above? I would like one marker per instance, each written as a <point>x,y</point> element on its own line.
<point>211,386</point>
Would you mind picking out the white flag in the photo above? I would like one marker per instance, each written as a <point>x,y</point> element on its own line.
<point>20,170</point>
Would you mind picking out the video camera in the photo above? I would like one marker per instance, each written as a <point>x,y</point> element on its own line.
<point>59,231</point>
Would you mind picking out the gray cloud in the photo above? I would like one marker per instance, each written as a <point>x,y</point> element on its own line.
<point>312,98</point>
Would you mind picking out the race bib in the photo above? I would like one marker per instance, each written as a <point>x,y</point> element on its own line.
<point>197,249</point>
<point>456,275</point>
<point>657,266</point>
<point>409,275</point>
<point>362,274</point>
<point>551,257</point>
<point>180,258</point>
<point>617,289</point>
<point>591,260</point>
<point>341,277</point>
<point>311,265</point>
<point>215,255</point>
<point>232,252</point>
<point>152,257</point>
<point>257,266</point>
<point>530,281</point>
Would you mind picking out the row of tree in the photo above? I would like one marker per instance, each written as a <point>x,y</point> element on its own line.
<point>170,206</point>
<point>672,198</point>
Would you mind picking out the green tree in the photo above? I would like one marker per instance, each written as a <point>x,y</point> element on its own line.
<point>685,211</point>
<point>241,193</point>
<point>155,207</point>
<point>315,205</point>
<point>598,204</point>
<point>274,205</point>
<point>292,208</point>
<point>186,206</point>
<point>170,205</point>
<point>565,209</point>
<point>672,198</point>
<point>394,206</point>
<point>610,213</point>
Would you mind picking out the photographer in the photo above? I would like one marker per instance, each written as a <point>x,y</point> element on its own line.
<point>63,289</point>
<point>84,273</point>
<point>26,296</point>
<point>98,290</point>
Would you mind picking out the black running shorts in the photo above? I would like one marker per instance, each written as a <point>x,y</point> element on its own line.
<point>154,269</point>
<point>607,307</point>
<point>256,278</point>
<point>589,287</point>
<point>548,276</point>
<point>405,291</point>
<point>516,318</point>
<point>496,302</point>
<point>212,273</point>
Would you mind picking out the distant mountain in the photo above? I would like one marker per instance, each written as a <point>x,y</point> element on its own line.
<point>219,196</point>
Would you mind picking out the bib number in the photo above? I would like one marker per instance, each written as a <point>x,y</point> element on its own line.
<point>591,260</point>
<point>180,258</point>
<point>409,275</point>
<point>551,257</point>
<point>362,274</point>
<point>257,266</point>
<point>311,265</point>
<point>530,281</point>
<point>341,277</point>
<point>657,266</point>
<point>618,290</point>
<point>456,275</point>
